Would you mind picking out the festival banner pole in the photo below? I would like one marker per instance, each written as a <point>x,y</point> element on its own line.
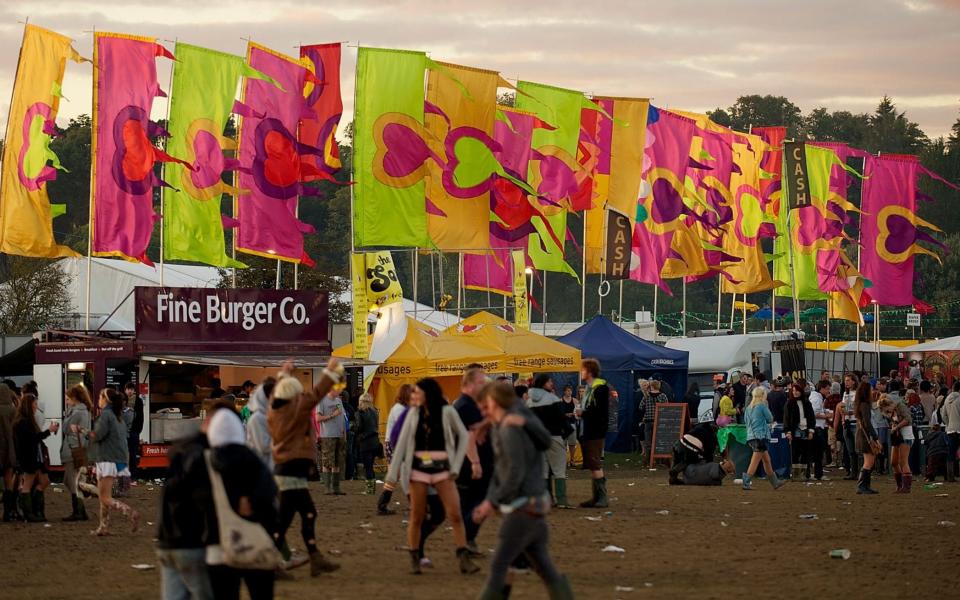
<point>278,274</point>
<point>719,300</point>
<point>163,222</point>
<point>583,273</point>
<point>93,162</point>
<point>773,311</point>
<point>460,283</point>
<point>733,308</point>
<point>876,335</point>
<point>620,311</point>
<point>655,297</point>
<point>744,313</point>
<point>829,359</point>
<point>416,280</point>
<point>353,248</point>
<point>544,307</point>
<point>683,313</point>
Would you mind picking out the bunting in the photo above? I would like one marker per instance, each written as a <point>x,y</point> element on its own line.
<point>124,84</point>
<point>202,98</point>
<point>26,215</point>
<point>271,157</point>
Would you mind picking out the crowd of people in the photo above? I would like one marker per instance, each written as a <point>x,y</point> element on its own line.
<point>855,423</point>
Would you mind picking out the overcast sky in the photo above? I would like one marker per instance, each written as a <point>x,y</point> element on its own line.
<point>693,55</point>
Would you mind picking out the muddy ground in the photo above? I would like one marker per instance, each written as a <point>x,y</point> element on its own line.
<point>713,543</point>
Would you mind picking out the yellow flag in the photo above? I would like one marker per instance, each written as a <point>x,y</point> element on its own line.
<point>26,215</point>
<point>361,307</point>
<point>521,308</point>
<point>381,281</point>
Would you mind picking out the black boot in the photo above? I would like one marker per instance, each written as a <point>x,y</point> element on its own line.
<point>26,509</point>
<point>599,499</point>
<point>415,562</point>
<point>39,509</point>
<point>81,509</point>
<point>9,503</point>
<point>74,514</point>
<point>383,503</point>
<point>864,485</point>
<point>467,566</point>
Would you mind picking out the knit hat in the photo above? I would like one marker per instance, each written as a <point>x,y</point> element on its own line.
<point>287,388</point>
<point>225,428</point>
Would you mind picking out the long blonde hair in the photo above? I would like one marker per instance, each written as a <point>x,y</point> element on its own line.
<point>759,396</point>
<point>366,402</point>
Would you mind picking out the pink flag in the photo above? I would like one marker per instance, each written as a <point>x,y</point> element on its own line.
<point>271,159</point>
<point>889,228</point>
<point>325,105</point>
<point>125,84</point>
<point>660,212</point>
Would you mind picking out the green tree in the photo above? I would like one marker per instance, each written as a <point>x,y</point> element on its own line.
<point>840,126</point>
<point>72,187</point>
<point>35,295</point>
<point>757,111</point>
<point>891,132</point>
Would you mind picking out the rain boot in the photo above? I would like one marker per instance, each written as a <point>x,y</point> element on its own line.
<point>336,484</point>
<point>9,502</point>
<point>383,503</point>
<point>560,589</point>
<point>592,502</point>
<point>863,487</point>
<point>907,483</point>
<point>26,508</point>
<point>899,479</point>
<point>81,509</point>
<point>74,513</point>
<point>776,482</point>
<point>747,482</point>
<point>561,496</point>
<point>415,562</point>
<point>371,487</point>
<point>320,564</point>
<point>39,506</point>
<point>328,483</point>
<point>467,566</point>
<point>549,485</point>
<point>602,499</point>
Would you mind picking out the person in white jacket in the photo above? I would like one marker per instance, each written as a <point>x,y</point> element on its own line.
<point>258,431</point>
<point>951,421</point>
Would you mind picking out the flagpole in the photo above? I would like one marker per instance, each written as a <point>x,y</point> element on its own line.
<point>278,274</point>
<point>876,335</point>
<point>544,307</point>
<point>583,273</point>
<point>829,360</point>
<point>656,290</point>
<point>719,300</point>
<point>683,313</point>
<point>416,280</point>
<point>460,283</point>
<point>163,194</point>
<point>773,310</point>
<point>620,311</point>
<point>744,307</point>
<point>733,308</point>
<point>93,162</point>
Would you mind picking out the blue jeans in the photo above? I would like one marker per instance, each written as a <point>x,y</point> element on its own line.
<point>183,574</point>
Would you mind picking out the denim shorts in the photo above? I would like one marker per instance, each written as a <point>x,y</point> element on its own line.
<point>757,445</point>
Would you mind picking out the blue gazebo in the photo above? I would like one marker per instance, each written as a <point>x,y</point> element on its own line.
<point>624,358</point>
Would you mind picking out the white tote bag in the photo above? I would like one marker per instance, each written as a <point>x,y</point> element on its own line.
<point>245,544</point>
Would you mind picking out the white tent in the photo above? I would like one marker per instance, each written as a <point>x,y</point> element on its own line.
<point>112,289</point>
<point>950,344</point>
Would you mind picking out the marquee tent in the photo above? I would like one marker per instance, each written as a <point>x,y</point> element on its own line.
<point>623,359</point>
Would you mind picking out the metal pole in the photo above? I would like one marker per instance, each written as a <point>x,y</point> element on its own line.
<point>744,307</point>
<point>719,300</point>
<point>773,310</point>
<point>620,311</point>
<point>93,150</point>
<point>683,313</point>
<point>163,195</point>
<point>278,274</point>
<point>876,335</point>
<point>416,281</point>
<point>733,308</point>
<point>656,290</point>
<point>583,273</point>
<point>459,283</point>
<point>829,359</point>
<point>544,307</point>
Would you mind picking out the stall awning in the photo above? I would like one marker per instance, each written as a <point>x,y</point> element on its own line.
<point>253,360</point>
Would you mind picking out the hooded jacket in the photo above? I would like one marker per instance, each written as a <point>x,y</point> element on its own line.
<point>549,409</point>
<point>291,426</point>
<point>258,430</point>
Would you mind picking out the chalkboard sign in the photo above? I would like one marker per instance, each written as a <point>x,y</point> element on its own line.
<point>669,423</point>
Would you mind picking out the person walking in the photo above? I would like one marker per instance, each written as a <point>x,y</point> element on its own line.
<point>867,441</point>
<point>76,426</point>
<point>252,495</point>
<point>135,402</point>
<point>429,452</point>
<point>28,438</point>
<point>294,452</point>
<point>951,421</point>
<point>596,404</point>
<point>901,441</point>
<point>819,445</point>
<point>518,492</point>
<point>569,405</point>
<point>474,477</point>
<point>368,439</point>
<point>549,409</point>
<point>8,453</point>
<point>850,457</point>
<point>109,452</point>
<point>333,441</point>
<point>758,418</point>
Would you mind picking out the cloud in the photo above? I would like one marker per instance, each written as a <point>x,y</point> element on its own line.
<point>684,53</point>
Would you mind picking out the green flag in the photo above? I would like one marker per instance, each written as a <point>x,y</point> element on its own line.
<point>561,109</point>
<point>389,205</point>
<point>201,100</point>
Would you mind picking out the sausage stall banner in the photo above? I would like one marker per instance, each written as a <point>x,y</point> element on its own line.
<point>185,320</point>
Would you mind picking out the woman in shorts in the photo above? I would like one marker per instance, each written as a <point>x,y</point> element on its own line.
<point>758,419</point>
<point>901,440</point>
<point>28,440</point>
<point>429,451</point>
<point>110,455</point>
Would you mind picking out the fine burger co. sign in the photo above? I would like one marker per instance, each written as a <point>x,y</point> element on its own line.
<point>186,320</point>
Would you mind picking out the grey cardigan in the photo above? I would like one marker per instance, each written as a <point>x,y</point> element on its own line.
<point>74,415</point>
<point>110,439</point>
<point>454,435</point>
<point>518,468</point>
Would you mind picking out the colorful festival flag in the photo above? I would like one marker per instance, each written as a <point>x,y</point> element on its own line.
<point>271,157</point>
<point>202,98</point>
<point>382,284</point>
<point>26,215</point>
<point>660,212</point>
<point>890,231</point>
<point>124,84</point>
<point>361,305</point>
<point>462,106</point>
<point>325,106</point>
<point>389,151</point>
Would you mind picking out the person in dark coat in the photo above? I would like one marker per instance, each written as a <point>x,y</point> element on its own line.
<point>799,426</point>
<point>28,439</point>
<point>368,439</point>
<point>8,453</point>
<point>594,419</point>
